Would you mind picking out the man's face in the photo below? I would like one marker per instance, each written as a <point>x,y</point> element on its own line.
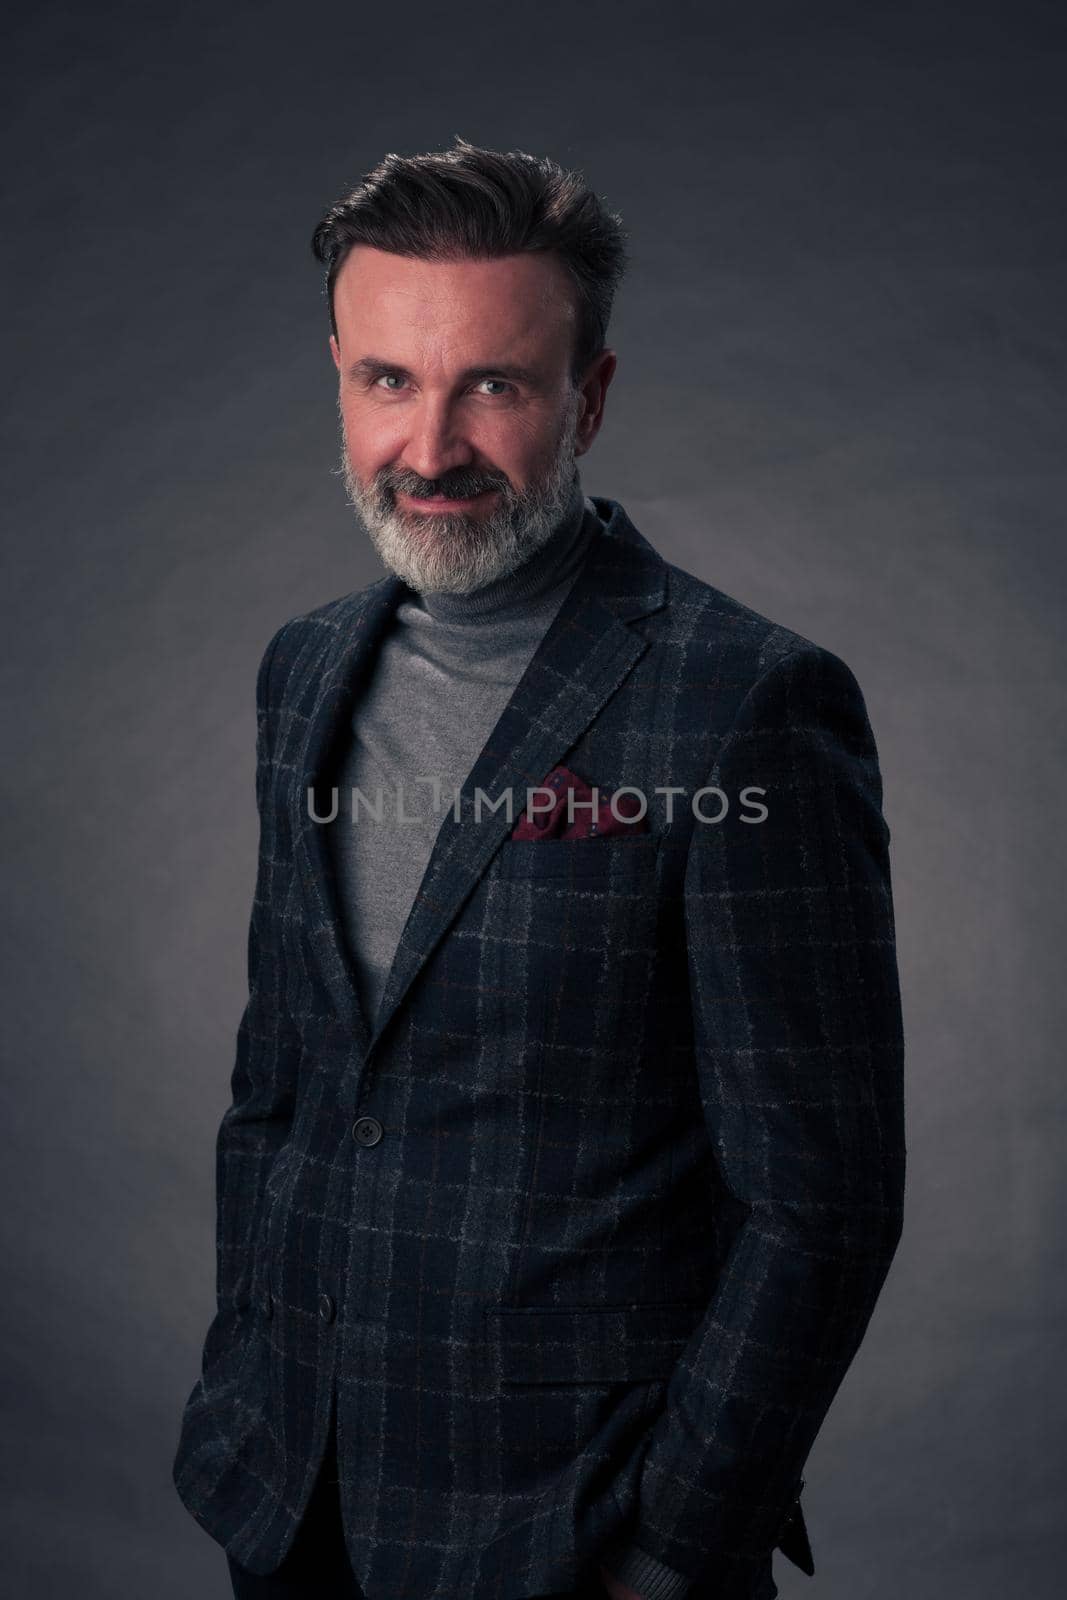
<point>461,424</point>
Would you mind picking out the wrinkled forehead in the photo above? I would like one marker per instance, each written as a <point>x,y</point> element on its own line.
<point>520,307</point>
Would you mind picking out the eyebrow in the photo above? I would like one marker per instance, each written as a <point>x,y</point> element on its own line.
<point>375,366</point>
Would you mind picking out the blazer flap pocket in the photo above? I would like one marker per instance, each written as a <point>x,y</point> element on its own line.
<point>591,1344</point>
<point>618,858</point>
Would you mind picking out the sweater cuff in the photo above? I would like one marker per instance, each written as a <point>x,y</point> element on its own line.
<point>631,1565</point>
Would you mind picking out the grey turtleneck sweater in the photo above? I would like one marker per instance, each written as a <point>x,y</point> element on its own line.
<point>445,670</point>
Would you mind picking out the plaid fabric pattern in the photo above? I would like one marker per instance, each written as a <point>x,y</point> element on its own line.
<point>581,1233</point>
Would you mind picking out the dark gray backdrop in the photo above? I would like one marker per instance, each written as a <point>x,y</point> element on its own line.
<point>839,398</point>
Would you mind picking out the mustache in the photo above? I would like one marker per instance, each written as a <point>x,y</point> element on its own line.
<point>460,484</point>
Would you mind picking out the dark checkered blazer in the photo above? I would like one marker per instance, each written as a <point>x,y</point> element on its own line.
<point>581,1236</point>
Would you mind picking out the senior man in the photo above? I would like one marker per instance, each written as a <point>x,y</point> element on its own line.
<point>565,1159</point>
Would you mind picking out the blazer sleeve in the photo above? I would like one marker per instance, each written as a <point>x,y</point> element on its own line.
<point>799,1054</point>
<point>263,1081</point>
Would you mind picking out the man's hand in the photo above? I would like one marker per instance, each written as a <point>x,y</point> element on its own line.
<point>617,1590</point>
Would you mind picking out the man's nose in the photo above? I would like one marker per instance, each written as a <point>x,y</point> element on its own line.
<point>435,442</point>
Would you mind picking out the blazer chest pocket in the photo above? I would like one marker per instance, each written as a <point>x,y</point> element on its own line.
<point>578,921</point>
<point>615,860</point>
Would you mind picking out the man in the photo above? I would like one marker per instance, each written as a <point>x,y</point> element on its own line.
<point>565,1160</point>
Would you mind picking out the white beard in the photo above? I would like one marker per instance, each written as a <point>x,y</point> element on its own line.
<point>452,552</point>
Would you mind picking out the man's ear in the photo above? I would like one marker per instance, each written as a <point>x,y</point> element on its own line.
<point>335,351</point>
<point>594,385</point>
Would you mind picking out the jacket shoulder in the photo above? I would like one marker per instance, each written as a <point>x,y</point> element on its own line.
<point>720,628</point>
<point>312,631</point>
<point>334,613</point>
<point>715,634</point>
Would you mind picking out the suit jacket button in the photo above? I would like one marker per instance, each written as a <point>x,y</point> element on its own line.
<point>327,1308</point>
<point>366,1130</point>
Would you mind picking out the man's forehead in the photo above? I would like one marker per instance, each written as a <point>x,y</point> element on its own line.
<point>529,292</point>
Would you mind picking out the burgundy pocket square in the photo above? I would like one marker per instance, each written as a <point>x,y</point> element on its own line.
<point>587,824</point>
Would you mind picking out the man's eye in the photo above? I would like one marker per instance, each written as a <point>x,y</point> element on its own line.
<point>393,381</point>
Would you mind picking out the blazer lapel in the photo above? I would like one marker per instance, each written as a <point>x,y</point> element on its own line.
<point>584,656</point>
<point>331,677</point>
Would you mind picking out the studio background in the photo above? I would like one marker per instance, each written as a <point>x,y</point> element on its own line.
<point>840,398</point>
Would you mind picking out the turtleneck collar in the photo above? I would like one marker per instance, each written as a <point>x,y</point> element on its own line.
<point>534,582</point>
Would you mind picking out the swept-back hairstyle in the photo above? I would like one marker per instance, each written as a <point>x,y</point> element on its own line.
<point>469,203</point>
